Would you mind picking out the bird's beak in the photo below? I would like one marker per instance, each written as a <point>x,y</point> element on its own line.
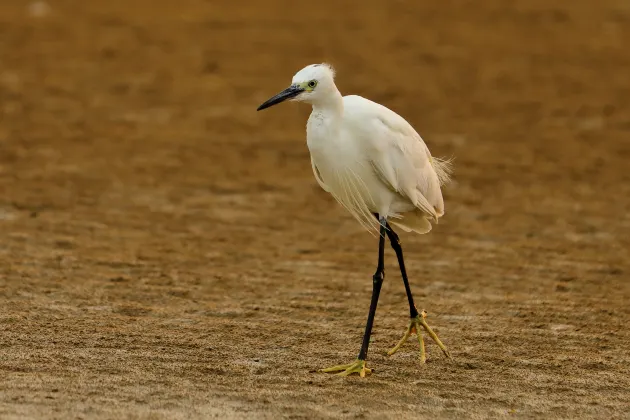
<point>290,92</point>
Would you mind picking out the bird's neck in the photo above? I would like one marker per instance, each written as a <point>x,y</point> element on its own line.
<point>330,106</point>
<point>323,126</point>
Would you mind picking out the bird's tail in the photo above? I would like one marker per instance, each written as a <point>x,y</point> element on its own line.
<point>413,221</point>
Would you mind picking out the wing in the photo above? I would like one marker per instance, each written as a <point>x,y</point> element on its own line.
<point>398,154</point>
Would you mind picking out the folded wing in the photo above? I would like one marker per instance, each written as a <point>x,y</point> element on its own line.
<point>399,156</point>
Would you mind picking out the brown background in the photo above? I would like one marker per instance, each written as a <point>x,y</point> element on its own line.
<point>166,253</point>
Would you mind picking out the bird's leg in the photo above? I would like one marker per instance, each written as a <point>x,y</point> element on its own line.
<point>418,320</point>
<point>397,247</point>
<point>358,366</point>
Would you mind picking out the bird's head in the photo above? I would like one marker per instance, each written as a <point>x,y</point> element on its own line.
<point>312,84</point>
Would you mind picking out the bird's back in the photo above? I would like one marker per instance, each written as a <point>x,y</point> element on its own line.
<point>373,161</point>
<point>398,153</point>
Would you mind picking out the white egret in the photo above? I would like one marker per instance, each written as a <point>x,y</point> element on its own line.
<point>379,169</point>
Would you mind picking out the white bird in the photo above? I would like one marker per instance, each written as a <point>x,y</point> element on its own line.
<point>379,169</point>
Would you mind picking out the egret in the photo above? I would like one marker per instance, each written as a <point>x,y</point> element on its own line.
<point>379,169</point>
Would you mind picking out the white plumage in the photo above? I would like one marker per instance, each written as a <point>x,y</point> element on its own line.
<point>373,162</point>
<point>369,158</point>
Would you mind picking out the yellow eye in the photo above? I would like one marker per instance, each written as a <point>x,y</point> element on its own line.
<point>312,84</point>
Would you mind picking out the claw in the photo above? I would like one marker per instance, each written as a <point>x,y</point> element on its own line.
<point>358,366</point>
<point>414,327</point>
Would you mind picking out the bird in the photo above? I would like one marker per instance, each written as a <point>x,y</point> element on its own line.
<point>377,167</point>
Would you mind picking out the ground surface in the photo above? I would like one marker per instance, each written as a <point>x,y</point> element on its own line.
<point>166,253</point>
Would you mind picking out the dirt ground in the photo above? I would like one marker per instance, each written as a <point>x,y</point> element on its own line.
<point>165,252</point>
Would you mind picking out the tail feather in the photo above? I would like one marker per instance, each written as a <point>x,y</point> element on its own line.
<point>413,221</point>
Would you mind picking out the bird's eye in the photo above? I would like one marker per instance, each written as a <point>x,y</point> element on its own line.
<point>312,84</point>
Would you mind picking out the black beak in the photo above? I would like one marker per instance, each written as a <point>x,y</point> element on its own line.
<point>290,92</point>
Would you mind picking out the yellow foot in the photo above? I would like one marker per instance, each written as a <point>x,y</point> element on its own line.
<point>414,327</point>
<point>344,370</point>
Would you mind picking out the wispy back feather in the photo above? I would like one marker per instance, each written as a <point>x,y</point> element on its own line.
<point>443,169</point>
<point>352,194</point>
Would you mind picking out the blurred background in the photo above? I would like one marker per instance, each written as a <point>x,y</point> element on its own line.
<point>165,251</point>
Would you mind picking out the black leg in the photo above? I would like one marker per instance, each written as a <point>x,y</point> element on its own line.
<point>377,282</point>
<point>397,247</point>
<point>417,322</point>
<point>395,241</point>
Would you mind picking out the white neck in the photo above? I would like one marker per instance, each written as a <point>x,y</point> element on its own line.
<point>323,124</point>
<point>330,105</point>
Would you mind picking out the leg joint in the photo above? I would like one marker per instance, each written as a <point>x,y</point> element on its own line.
<point>378,277</point>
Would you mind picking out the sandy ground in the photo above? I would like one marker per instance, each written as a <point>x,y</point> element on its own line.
<point>165,252</point>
